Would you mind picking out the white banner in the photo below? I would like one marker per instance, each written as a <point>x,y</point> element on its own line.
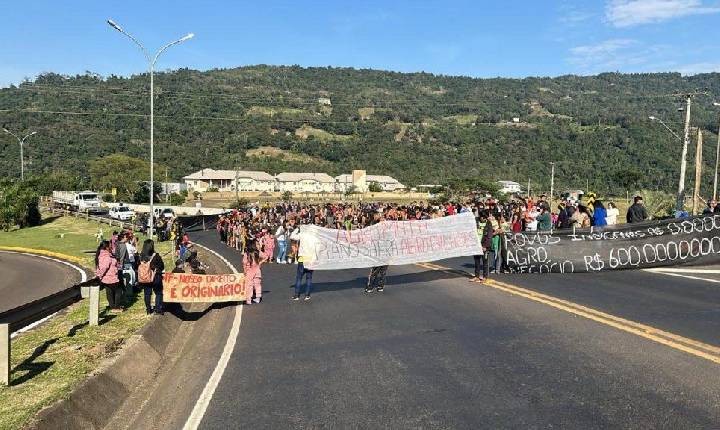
<point>389,243</point>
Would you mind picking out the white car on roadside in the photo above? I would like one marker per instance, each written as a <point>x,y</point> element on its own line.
<point>121,213</point>
<point>164,213</point>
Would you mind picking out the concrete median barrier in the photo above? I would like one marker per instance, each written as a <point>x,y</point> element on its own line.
<point>93,404</point>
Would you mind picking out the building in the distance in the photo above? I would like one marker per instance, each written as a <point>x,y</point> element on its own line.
<point>172,187</point>
<point>305,182</point>
<point>509,187</point>
<point>225,180</point>
<point>386,183</point>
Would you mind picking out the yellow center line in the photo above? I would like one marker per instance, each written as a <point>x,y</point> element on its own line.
<point>690,346</point>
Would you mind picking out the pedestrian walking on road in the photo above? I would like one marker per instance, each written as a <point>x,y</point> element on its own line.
<point>302,271</point>
<point>150,273</point>
<point>107,272</point>
<point>252,260</point>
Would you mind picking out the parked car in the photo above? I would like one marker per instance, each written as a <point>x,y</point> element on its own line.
<point>164,213</point>
<point>122,213</point>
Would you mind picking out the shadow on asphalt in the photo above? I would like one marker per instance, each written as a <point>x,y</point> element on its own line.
<point>177,310</point>
<point>408,278</point>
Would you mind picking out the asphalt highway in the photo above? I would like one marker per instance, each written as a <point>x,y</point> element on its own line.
<point>436,351</point>
<point>26,278</point>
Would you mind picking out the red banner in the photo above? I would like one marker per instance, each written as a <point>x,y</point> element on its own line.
<point>189,288</point>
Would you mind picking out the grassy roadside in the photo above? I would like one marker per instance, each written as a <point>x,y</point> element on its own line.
<point>51,360</point>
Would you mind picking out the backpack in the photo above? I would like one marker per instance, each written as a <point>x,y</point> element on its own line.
<point>145,274</point>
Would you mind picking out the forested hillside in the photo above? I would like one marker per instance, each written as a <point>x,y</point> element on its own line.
<point>418,127</point>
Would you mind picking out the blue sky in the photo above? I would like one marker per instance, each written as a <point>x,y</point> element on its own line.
<point>456,37</point>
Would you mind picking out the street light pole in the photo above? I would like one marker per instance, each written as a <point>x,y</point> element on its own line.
<point>22,144</point>
<point>683,162</point>
<point>717,160</point>
<point>151,69</point>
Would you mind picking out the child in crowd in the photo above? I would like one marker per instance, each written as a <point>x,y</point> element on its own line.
<point>252,260</point>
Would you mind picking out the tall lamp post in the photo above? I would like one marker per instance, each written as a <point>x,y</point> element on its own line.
<point>717,160</point>
<point>151,68</point>
<point>22,144</point>
<point>683,164</point>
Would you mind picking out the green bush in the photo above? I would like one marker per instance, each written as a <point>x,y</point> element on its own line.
<point>177,199</point>
<point>18,205</point>
<point>375,188</point>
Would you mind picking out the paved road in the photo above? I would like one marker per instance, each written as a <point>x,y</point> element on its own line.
<point>435,351</point>
<point>27,278</point>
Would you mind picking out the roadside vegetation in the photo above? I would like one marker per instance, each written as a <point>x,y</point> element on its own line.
<point>51,360</point>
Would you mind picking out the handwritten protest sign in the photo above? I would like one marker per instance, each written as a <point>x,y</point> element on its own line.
<point>628,246</point>
<point>189,288</point>
<point>389,243</point>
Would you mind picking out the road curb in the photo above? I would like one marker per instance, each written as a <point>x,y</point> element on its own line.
<point>44,252</point>
<point>94,402</point>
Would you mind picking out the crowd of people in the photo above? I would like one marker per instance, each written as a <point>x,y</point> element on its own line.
<point>124,267</point>
<point>270,233</point>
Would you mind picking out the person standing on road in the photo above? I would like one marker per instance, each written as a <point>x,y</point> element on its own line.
<point>599,214</point>
<point>252,260</point>
<point>376,279</point>
<point>478,259</point>
<point>107,273</point>
<point>281,236</point>
<point>637,212</point>
<point>612,214</point>
<point>544,219</point>
<point>302,271</point>
<point>150,273</point>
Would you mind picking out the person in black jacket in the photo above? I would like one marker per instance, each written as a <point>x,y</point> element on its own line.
<point>637,212</point>
<point>157,266</point>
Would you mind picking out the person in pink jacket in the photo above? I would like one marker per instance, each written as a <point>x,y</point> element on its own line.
<point>252,259</point>
<point>107,272</point>
<point>268,245</point>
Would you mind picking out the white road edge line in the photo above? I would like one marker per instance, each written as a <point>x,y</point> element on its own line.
<point>203,401</point>
<point>697,278</point>
<point>83,278</point>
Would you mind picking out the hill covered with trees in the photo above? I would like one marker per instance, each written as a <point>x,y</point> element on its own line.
<point>418,127</point>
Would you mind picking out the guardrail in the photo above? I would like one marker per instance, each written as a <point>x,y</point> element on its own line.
<point>30,313</point>
<point>85,215</point>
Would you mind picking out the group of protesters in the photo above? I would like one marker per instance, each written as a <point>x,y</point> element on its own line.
<point>270,233</point>
<point>124,270</point>
<point>124,267</point>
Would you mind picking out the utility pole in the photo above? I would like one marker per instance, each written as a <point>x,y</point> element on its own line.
<point>552,189</point>
<point>528,188</point>
<point>167,195</point>
<point>717,160</point>
<point>698,173</point>
<point>683,161</point>
<point>237,194</point>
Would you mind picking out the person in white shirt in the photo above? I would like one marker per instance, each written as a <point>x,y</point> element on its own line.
<point>612,214</point>
<point>281,236</point>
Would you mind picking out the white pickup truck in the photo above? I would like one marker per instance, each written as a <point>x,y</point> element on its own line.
<point>81,201</point>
